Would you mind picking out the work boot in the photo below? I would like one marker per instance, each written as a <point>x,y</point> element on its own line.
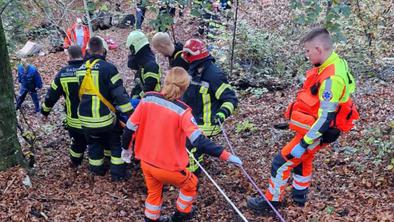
<point>161,219</point>
<point>119,178</point>
<point>180,217</point>
<point>260,205</point>
<point>300,196</point>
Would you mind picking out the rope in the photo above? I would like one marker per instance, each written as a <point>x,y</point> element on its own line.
<point>249,177</point>
<point>217,186</point>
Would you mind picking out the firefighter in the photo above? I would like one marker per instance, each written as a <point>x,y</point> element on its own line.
<point>161,41</point>
<point>323,108</point>
<point>142,60</point>
<point>101,89</point>
<point>66,84</point>
<point>209,95</point>
<point>78,34</point>
<point>162,123</point>
<point>30,81</point>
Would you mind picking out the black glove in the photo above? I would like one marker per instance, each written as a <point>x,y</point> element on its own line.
<point>281,126</point>
<point>331,135</point>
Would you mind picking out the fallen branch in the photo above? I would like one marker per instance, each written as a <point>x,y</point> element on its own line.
<point>9,185</point>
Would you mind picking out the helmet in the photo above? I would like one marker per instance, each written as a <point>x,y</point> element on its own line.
<point>194,50</point>
<point>137,39</point>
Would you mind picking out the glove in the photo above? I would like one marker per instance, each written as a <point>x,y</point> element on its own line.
<point>126,156</point>
<point>235,160</point>
<point>281,126</point>
<point>297,151</point>
<point>134,102</point>
<point>219,117</point>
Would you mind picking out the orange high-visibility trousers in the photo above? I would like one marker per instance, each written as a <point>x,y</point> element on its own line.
<point>155,178</point>
<point>284,164</point>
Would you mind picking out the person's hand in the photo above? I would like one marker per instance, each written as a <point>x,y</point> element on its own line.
<point>126,156</point>
<point>297,151</point>
<point>219,117</point>
<point>235,160</point>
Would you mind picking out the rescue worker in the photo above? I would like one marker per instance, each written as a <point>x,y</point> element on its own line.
<point>209,95</point>
<point>161,123</point>
<point>78,34</point>
<point>101,89</point>
<point>161,41</point>
<point>143,61</point>
<point>30,81</point>
<point>66,84</point>
<point>316,116</point>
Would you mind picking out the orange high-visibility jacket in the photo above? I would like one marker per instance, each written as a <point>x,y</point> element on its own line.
<point>161,128</point>
<point>71,38</point>
<point>325,89</point>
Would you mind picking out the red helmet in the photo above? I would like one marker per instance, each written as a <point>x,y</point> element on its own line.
<point>194,50</point>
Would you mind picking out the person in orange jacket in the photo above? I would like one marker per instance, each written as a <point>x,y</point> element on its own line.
<point>161,124</point>
<point>322,110</point>
<point>78,35</point>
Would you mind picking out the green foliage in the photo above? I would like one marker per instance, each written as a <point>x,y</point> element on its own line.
<point>163,19</point>
<point>377,144</point>
<point>245,126</point>
<point>334,15</point>
<point>260,55</point>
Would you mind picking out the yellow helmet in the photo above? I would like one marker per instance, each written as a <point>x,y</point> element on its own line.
<point>137,39</point>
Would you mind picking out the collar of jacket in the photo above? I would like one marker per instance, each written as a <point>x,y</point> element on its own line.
<point>330,60</point>
<point>178,48</point>
<point>200,63</point>
<point>95,56</point>
<point>76,62</point>
<point>144,55</point>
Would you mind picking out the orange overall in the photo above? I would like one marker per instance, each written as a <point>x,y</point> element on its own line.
<point>323,103</point>
<point>161,128</point>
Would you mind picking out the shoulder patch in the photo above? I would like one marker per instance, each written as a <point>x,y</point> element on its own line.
<point>327,95</point>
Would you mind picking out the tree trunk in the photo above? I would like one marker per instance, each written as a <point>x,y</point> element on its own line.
<point>10,151</point>
<point>85,5</point>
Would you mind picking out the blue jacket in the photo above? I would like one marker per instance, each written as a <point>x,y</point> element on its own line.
<point>29,78</point>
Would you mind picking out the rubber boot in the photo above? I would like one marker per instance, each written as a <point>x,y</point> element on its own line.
<point>300,196</point>
<point>180,217</point>
<point>260,205</point>
<point>161,219</point>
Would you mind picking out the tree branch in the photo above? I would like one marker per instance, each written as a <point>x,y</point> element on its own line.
<point>5,6</point>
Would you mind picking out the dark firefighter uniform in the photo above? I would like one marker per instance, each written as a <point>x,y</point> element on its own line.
<point>209,95</point>
<point>97,120</point>
<point>66,84</point>
<point>147,77</point>
<point>176,58</point>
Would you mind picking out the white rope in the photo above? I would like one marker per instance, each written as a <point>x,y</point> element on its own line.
<point>217,186</point>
